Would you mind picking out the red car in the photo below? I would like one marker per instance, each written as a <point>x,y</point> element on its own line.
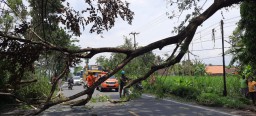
<point>109,84</point>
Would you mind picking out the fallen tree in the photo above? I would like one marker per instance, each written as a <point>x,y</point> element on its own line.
<point>182,40</point>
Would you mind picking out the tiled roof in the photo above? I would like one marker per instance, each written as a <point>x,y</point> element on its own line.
<point>214,69</point>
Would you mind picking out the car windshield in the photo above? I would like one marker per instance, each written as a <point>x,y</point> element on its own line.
<point>112,77</point>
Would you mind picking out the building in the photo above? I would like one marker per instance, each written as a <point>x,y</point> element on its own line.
<point>218,70</point>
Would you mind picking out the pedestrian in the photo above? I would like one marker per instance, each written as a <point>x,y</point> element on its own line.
<point>252,91</point>
<point>90,79</point>
<point>243,86</point>
<point>123,81</point>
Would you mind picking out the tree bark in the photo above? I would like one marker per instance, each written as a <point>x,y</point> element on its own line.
<point>184,36</point>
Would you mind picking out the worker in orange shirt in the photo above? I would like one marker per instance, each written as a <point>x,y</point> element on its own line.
<point>90,79</point>
<point>252,91</point>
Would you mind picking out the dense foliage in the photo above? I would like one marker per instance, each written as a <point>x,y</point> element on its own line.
<point>243,38</point>
<point>136,68</point>
<point>206,90</point>
<point>36,41</point>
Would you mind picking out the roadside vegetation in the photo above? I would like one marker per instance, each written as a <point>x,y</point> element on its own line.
<point>38,41</point>
<point>28,95</point>
<point>205,90</point>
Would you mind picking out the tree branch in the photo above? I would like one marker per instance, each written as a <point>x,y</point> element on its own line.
<point>27,81</point>
<point>187,34</point>
<point>93,51</point>
<point>169,62</point>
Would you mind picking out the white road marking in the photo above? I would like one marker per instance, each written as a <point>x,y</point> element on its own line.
<point>133,113</point>
<point>193,106</point>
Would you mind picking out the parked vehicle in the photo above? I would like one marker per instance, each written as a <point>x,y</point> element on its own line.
<point>77,80</point>
<point>109,84</point>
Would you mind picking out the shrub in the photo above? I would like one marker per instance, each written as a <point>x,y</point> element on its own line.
<point>209,99</point>
<point>185,92</point>
<point>244,100</point>
<point>161,90</point>
<point>232,102</point>
<point>37,90</point>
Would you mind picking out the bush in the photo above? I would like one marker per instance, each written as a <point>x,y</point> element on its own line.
<point>232,102</point>
<point>161,90</point>
<point>37,90</point>
<point>185,92</point>
<point>244,100</point>
<point>211,88</point>
<point>209,99</point>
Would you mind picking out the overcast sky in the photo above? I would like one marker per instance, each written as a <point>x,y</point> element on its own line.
<point>151,21</point>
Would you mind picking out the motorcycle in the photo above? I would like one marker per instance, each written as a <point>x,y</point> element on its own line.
<point>70,86</point>
<point>70,83</point>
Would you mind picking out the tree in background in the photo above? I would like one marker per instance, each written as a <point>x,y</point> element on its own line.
<point>45,21</point>
<point>77,70</point>
<point>136,68</point>
<point>199,68</point>
<point>243,38</point>
<point>23,47</point>
<point>188,68</point>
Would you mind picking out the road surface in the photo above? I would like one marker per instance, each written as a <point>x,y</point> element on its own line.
<point>145,106</point>
<point>76,89</point>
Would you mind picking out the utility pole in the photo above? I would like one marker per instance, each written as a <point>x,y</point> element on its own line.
<point>223,58</point>
<point>188,63</point>
<point>134,33</point>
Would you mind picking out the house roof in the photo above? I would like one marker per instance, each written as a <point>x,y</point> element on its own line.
<point>214,69</point>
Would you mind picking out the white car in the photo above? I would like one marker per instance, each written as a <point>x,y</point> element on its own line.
<point>77,80</point>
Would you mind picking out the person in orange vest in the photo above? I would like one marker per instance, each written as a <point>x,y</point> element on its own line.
<point>90,79</point>
<point>252,91</point>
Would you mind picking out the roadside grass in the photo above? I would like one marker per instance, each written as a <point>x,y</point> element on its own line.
<point>205,90</point>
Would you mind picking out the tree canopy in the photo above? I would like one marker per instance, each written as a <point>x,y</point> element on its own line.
<point>28,43</point>
<point>243,38</point>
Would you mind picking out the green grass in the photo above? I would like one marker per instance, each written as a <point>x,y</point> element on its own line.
<point>206,90</point>
<point>205,84</point>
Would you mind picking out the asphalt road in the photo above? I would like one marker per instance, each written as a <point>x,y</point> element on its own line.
<point>149,106</point>
<point>145,106</point>
<point>76,89</point>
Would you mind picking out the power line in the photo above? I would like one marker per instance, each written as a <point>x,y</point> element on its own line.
<point>210,57</point>
<point>208,49</point>
<point>154,21</point>
<point>232,18</point>
<point>213,57</point>
<point>231,22</point>
<point>217,23</point>
<point>205,41</point>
